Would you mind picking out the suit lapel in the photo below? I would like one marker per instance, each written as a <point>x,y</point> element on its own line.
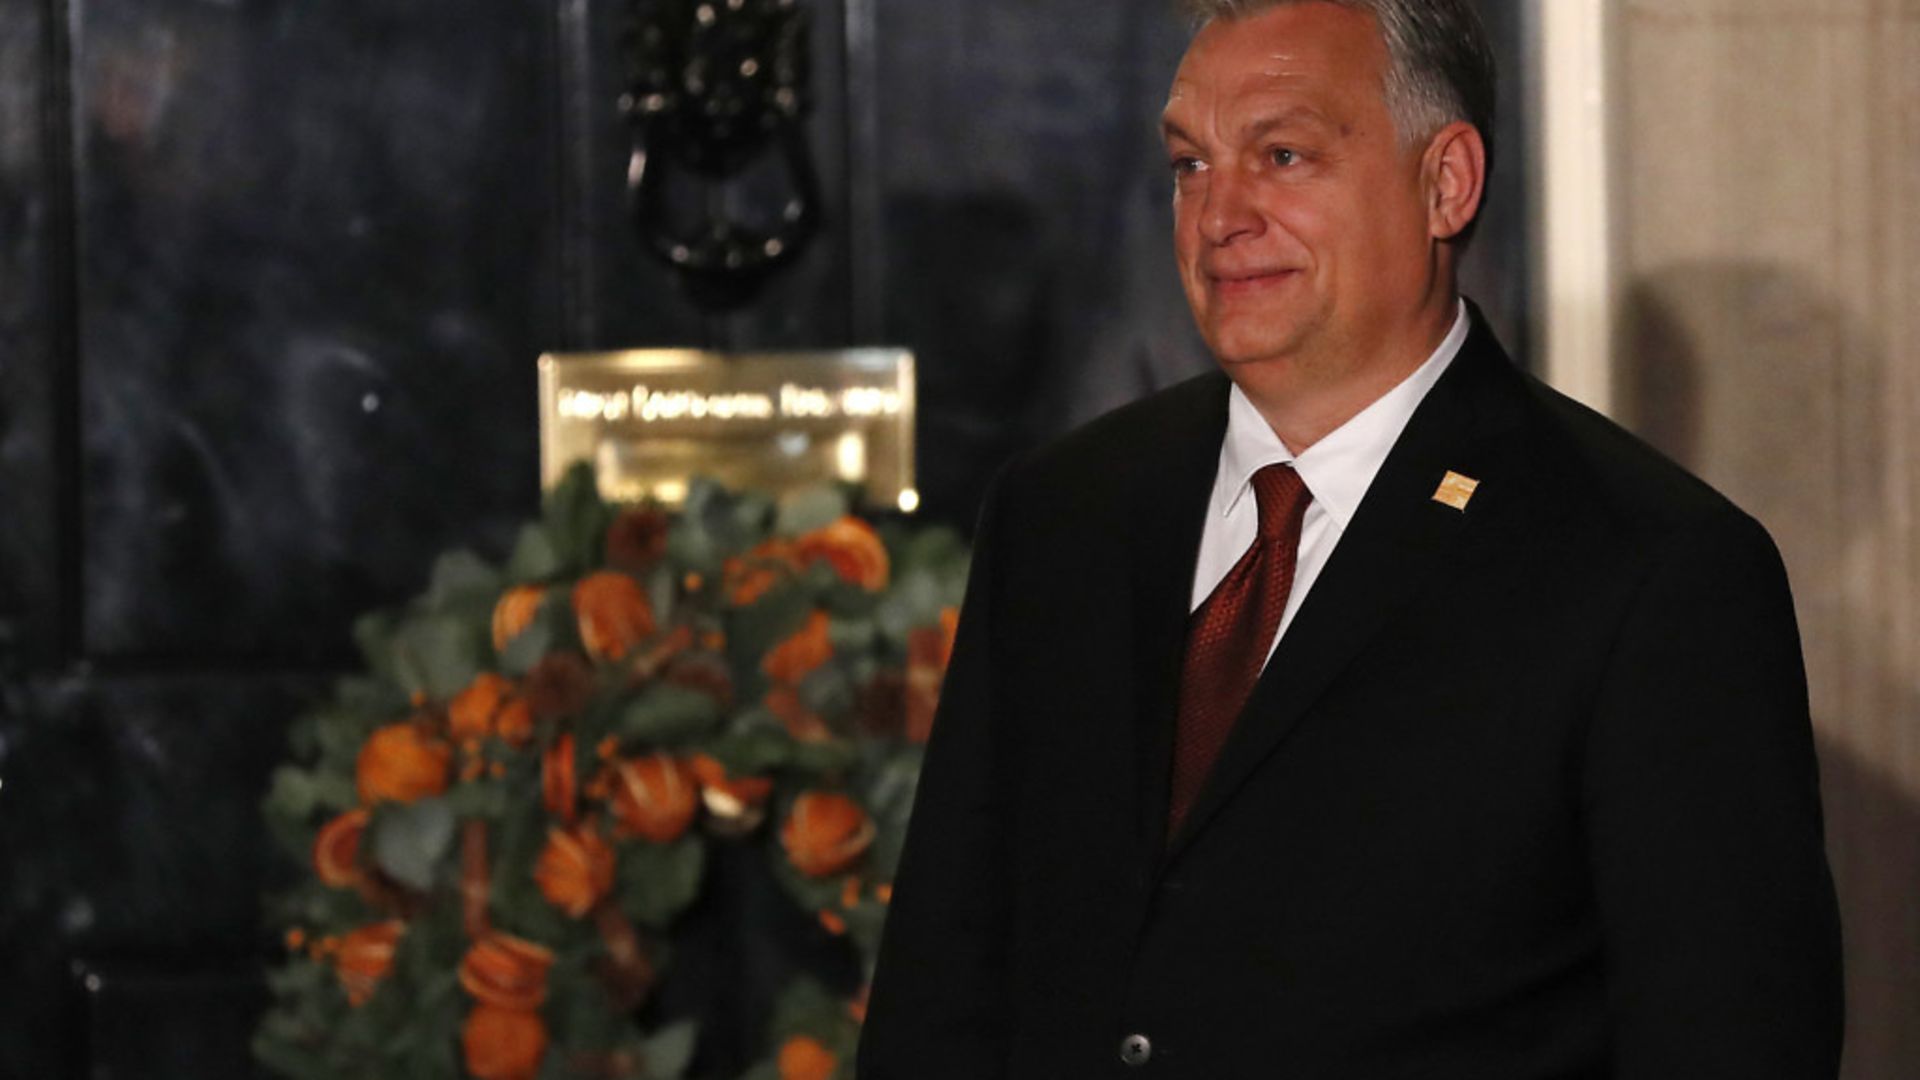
<point>1398,540</point>
<point>1177,486</point>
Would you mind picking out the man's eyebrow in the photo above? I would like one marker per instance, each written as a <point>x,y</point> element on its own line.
<point>1169,131</point>
<point>1295,116</point>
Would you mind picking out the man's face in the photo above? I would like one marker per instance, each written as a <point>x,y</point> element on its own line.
<point>1300,221</point>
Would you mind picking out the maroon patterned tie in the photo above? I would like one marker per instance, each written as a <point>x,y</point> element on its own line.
<point>1228,637</point>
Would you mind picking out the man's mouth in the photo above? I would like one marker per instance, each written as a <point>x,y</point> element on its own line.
<point>1248,282</point>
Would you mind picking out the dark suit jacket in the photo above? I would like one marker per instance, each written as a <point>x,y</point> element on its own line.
<point>1528,790</point>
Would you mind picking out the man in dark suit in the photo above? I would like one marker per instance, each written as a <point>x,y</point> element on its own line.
<point>1369,710</point>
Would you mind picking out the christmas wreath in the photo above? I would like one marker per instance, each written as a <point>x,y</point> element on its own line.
<point>508,815</point>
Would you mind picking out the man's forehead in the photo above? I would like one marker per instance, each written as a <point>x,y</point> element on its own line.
<point>1281,74</point>
<point>1265,98</point>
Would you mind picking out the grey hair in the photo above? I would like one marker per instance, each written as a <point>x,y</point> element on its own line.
<point>1441,68</point>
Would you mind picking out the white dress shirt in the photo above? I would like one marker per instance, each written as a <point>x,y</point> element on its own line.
<point>1337,471</point>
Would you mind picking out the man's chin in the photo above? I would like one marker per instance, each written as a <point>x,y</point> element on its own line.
<point>1246,351</point>
<point>1246,331</point>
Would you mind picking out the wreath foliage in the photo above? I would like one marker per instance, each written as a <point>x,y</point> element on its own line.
<point>506,816</point>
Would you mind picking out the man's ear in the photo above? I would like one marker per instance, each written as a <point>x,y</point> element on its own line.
<point>1454,172</point>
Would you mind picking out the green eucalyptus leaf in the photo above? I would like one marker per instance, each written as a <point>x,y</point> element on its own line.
<point>429,956</point>
<point>806,1008</point>
<point>517,903</point>
<point>489,799</point>
<point>577,1008</point>
<point>294,840</point>
<point>845,601</point>
<point>668,714</point>
<point>669,1051</point>
<point>754,513</point>
<point>692,547</point>
<point>338,734</point>
<point>733,522</point>
<point>862,667</point>
<point>324,910</point>
<point>657,881</point>
<point>832,757</point>
<point>864,925</point>
<point>703,494</point>
<point>289,1058</point>
<point>335,792</point>
<point>753,631</point>
<point>461,577</point>
<point>535,559</point>
<point>373,636</point>
<point>437,655</point>
<point>576,519</point>
<point>808,509</point>
<point>924,598</point>
<point>301,976</point>
<point>556,1067</point>
<point>292,795</point>
<point>827,692</point>
<point>890,788</point>
<point>373,698</point>
<point>823,581</point>
<point>759,746</point>
<point>663,589</point>
<point>409,840</point>
<point>528,646</point>
<point>935,548</point>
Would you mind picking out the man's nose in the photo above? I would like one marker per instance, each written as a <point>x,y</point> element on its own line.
<point>1228,212</point>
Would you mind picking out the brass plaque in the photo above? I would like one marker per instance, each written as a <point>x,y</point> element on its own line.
<point>650,420</point>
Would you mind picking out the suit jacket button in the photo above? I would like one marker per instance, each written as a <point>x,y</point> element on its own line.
<point>1135,1049</point>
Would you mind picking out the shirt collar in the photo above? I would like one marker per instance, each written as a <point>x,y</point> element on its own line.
<point>1339,468</point>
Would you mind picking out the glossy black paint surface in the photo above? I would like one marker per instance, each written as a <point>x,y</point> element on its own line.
<point>33,374</point>
<point>314,259</point>
<point>133,846</point>
<point>273,278</point>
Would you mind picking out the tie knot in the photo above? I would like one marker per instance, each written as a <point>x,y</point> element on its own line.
<point>1283,498</point>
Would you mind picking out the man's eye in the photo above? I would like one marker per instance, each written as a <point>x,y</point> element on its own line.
<point>1185,166</point>
<point>1284,157</point>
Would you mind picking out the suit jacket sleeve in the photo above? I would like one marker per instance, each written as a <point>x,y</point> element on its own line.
<point>938,1006</point>
<point>1702,809</point>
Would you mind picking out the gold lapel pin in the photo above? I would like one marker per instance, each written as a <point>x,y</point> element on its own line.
<point>1456,490</point>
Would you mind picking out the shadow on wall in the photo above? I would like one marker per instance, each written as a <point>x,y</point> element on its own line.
<point>1755,378</point>
<point>1871,825</point>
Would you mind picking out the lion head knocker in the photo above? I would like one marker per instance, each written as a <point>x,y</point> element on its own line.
<point>717,89</point>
